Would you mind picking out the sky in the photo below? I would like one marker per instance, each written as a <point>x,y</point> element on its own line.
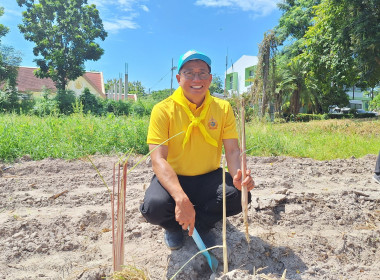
<point>148,35</point>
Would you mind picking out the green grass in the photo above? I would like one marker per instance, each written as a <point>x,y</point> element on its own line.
<point>322,140</point>
<point>70,137</point>
<point>78,135</point>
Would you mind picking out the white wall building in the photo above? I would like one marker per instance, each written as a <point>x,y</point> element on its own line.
<point>239,74</point>
<point>357,99</point>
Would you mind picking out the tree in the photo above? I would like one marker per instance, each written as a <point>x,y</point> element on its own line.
<point>64,32</point>
<point>375,103</point>
<point>159,95</point>
<point>65,100</point>
<point>10,59</point>
<point>3,29</point>
<point>136,88</point>
<point>90,102</point>
<point>296,19</point>
<point>263,84</point>
<point>284,82</point>
<point>216,85</point>
<point>267,50</point>
<point>345,40</point>
<point>327,68</point>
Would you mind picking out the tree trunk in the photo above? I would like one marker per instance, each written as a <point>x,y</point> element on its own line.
<point>278,102</point>
<point>295,102</point>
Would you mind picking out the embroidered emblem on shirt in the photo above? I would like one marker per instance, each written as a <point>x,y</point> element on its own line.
<point>212,124</point>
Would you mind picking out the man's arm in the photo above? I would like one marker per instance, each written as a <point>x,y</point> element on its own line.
<point>231,148</point>
<point>184,209</point>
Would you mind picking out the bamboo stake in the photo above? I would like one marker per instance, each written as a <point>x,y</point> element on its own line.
<point>113,218</point>
<point>244,191</point>
<point>122,222</point>
<point>118,228</point>
<point>225,255</point>
<point>118,244</point>
<point>116,241</point>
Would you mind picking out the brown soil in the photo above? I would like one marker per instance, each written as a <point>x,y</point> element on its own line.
<point>316,219</point>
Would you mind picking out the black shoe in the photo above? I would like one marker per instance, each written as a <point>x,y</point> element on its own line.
<point>376,178</point>
<point>173,239</point>
<point>208,238</point>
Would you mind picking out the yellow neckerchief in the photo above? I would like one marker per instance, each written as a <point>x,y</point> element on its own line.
<point>180,98</point>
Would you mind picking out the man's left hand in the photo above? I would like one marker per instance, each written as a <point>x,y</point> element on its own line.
<point>248,181</point>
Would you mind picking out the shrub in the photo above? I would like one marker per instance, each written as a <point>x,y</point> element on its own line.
<point>118,108</point>
<point>9,99</point>
<point>364,115</point>
<point>90,103</point>
<point>308,117</point>
<point>45,106</point>
<point>138,108</point>
<point>340,116</point>
<point>27,103</point>
<point>65,100</point>
<point>375,103</point>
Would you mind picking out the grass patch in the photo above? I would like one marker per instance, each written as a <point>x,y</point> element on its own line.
<point>77,135</point>
<point>321,140</point>
<point>130,272</point>
<point>71,136</point>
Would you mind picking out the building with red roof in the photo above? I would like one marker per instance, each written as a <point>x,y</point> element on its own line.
<point>27,82</point>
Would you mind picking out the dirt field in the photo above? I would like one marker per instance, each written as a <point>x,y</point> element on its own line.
<point>316,219</point>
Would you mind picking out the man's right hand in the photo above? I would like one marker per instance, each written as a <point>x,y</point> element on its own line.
<point>185,214</point>
<point>184,209</point>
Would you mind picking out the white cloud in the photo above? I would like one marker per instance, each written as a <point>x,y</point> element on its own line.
<point>116,25</point>
<point>214,3</point>
<point>258,7</point>
<point>12,13</point>
<point>145,8</point>
<point>120,14</point>
<point>98,3</point>
<point>126,5</point>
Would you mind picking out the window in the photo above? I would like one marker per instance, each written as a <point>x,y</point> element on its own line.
<point>251,73</point>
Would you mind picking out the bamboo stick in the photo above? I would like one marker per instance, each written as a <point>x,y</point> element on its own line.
<point>244,191</point>
<point>123,203</point>
<point>225,254</point>
<point>113,219</point>
<point>118,244</point>
<point>118,266</point>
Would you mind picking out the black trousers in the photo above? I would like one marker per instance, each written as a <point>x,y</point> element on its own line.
<point>377,168</point>
<point>204,191</point>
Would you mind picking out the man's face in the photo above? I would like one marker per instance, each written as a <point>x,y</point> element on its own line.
<point>194,78</point>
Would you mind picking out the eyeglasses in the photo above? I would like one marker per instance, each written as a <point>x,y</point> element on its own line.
<point>189,75</point>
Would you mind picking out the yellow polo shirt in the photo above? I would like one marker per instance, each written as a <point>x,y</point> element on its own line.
<point>198,156</point>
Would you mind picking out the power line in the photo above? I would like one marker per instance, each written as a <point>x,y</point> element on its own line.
<point>160,80</point>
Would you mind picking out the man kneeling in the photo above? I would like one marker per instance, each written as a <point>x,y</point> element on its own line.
<point>186,190</point>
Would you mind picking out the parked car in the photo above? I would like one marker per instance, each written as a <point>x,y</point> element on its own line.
<point>334,109</point>
<point>362,111</point>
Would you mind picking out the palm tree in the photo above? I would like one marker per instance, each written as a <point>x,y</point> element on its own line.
<point>298,72</point>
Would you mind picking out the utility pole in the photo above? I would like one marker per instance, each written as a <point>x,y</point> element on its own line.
<point>171,83</point>
<point>126,81</point>
<point>120,88</point>
<point>225,77</point>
